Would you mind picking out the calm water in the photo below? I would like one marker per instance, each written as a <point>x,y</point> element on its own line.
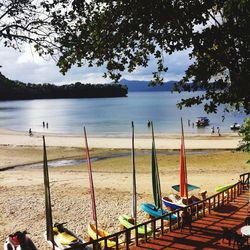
<point>109,116</point>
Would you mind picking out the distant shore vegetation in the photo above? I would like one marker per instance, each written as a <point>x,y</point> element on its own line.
<point>16,90</point>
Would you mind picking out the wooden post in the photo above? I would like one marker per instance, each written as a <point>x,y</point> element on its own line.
<point>209,206</point>
<point>204,208</point>
<point>154,227</point>
<point>136,236</point>
<point>127,235</point>
<point>162,226</point>
<point>178,219</point>
<point>170,223</point>
<point>146,232</point>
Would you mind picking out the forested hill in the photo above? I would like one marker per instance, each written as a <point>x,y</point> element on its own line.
<point>134,85</point>
<point>15,90</point>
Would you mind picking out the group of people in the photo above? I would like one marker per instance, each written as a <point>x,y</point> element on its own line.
<point>44,125</point>
<point>47,124</point>
<point>213,131</point>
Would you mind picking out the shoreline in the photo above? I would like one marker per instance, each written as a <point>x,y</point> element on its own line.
<point>142,141</point>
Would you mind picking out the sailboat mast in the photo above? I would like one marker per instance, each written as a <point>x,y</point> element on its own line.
<point>92,191</point>
<point>134,203</point>
<point>49,222</point>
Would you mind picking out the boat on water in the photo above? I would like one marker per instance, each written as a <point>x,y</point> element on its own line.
<point>202,121</point>
<point>235,126</point>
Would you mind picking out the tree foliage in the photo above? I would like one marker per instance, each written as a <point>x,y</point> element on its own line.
<point>28,21</point>
<point>15,90</point>
<point>245,132</point>
<point>126,34</point>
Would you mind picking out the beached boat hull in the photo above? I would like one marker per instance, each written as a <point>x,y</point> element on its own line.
<point>125,221</point>
<point>172,205</point>
<point>101,233</point>
<point>222,188</point>
<point>156,212</point>
<point>65,240</point>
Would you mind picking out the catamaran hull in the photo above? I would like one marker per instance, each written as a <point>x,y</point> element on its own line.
<point>154,212</point>
<point>58,246</point>
<point>172,205</point>
<point>124,220</point>
<point>101,233</point>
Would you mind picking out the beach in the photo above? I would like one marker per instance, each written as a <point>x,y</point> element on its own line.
<point>211,161</point>
<point>142,141</point>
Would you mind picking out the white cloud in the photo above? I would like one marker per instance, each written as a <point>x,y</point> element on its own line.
<point>27,66</point>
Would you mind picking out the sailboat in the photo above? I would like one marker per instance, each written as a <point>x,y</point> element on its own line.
<point>155,210</point>
<point>57,236</point>
<point>126,220</point>
<point>174,201</point>
<point>93,231</point>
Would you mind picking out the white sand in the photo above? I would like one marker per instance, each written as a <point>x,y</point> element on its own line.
<point>163,141</point>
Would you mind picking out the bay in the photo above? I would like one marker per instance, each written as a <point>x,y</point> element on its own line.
<point>111,116</point>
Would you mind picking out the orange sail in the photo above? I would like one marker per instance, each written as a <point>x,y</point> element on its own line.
<point>183,169</point>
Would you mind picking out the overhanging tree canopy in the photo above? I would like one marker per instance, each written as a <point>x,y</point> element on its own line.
<point>29,21</point>
<point>127,33</point>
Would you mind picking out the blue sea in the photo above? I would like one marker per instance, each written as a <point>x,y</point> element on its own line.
<point>111,116</point>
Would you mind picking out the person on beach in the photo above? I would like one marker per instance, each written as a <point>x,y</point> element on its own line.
<point>212,130</point>
<point>43,124</point>
<point>218,131</point>
<point>186,219</point>
<point>192,124</point>
<point>47,125</point>
<point>30,132</point>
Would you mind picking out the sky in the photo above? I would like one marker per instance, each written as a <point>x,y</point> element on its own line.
<point>28,67</point>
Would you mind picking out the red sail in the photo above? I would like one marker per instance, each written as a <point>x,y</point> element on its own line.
<point>183,169</point>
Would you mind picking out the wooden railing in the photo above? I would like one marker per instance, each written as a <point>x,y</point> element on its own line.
<point>159,226</point>
<point>245,180</point>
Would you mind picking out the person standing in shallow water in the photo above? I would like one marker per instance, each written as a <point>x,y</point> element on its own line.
<point>212,130</point>
<point>47,125</point>
<point>43,124</point>
<point>30,132</point>
<point>218,131</point>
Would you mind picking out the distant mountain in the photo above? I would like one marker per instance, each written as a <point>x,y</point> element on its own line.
<point>134,86</point>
